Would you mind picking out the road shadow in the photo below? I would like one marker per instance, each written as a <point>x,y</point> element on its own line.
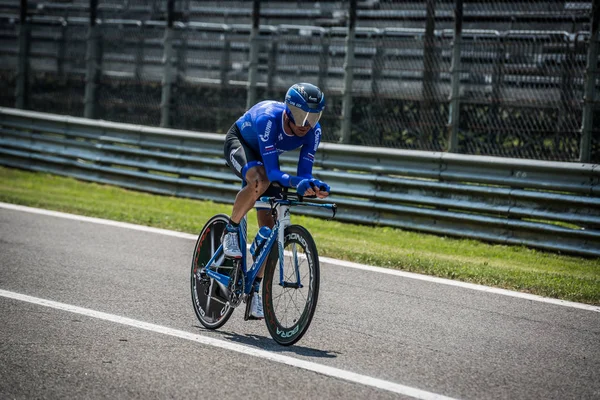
<point>267,343</point>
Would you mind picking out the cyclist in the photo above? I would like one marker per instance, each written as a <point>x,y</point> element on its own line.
<point>252,148</point>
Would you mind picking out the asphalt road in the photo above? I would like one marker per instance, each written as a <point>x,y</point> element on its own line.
<point>374,335</point>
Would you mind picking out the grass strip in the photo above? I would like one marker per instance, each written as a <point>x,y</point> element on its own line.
<point>510,267</point>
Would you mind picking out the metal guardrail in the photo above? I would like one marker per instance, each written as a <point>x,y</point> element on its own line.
<point>548,205</point>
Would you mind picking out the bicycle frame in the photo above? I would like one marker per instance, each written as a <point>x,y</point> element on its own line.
<point>277,234</point>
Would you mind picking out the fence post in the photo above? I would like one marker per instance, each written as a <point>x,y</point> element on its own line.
<point>497,91</point>
<point>590,83</point>
<point>253,56</point>
<point>139,53</point>
<point>454,108</point>
<point>182,51</point>
<point>168,73</point>
<point>222,116</point>
<point>272,66</point>
<point>61,51</point>
<point>225,60</point>
<point>429,66</point>
<point>92,59</point>
<point>377,64</point>
<point>22,83</point>
<point>323,61</point>
<point>348,76</point>
<point>567,97</point>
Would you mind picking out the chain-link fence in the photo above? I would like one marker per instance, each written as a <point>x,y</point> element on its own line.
<point>211,75</point>
<point>501,78</point>
<point>129,88</point>
<point>526,81</point>
<point>56,66</point>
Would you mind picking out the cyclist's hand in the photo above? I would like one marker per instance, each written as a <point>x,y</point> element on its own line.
<point>303,188</point>
<point>313,187</point>
<point>320,188</point>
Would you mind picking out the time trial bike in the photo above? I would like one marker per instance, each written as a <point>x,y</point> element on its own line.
<point>290,286</point>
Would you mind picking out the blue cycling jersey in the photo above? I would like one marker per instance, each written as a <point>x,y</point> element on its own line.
<point>262,129</point>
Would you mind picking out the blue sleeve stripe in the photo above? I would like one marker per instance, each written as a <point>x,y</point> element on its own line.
<point>248,166</point>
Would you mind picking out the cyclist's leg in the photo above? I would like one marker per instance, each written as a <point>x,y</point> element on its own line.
<point>265,218</point>
<point>256,183</point>
<point>247,165</point>
<point>263,213</point>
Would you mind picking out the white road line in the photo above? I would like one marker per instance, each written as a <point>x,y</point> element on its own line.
<point>342,263</point>
<point>100,221</point>
<point>222,344</point>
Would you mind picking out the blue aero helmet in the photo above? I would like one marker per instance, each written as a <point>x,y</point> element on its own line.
<point>304,104</point>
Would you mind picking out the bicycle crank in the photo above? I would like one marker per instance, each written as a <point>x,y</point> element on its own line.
<point>236,285</point>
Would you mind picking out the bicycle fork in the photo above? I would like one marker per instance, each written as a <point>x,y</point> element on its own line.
<point>284,222</point>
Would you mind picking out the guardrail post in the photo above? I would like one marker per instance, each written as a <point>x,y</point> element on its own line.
<point>454,108</point>
<point>168,72</point>
<point>590,82</point>
<point>22,83</point>
<point>92,59</point>
<point>345,134</point>
<point>253,56</point>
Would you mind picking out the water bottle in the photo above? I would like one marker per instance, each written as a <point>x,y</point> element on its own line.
<point>259,241</point>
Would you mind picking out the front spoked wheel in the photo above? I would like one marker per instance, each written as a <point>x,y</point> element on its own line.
<point>209,298</point>
<point>290,290</point>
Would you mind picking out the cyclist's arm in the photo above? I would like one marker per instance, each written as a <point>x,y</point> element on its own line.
<point>307,154</point>
<point>305,165</point>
